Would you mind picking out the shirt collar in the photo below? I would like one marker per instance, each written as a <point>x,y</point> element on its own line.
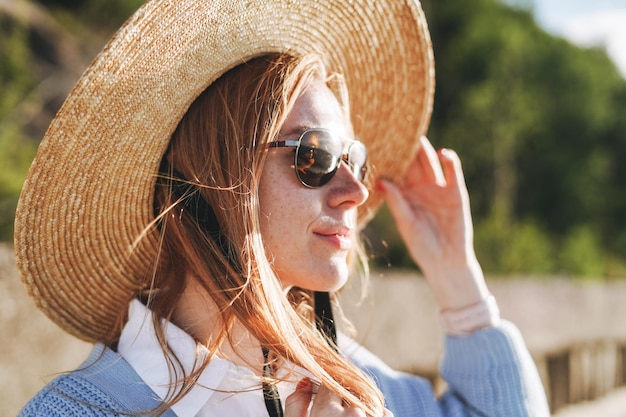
<point>139,346</point>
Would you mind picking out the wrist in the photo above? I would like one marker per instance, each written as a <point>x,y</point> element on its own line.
<point>457,286</point>
<point>464,321</point>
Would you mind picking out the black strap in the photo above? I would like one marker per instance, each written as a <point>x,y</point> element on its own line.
<point>270,391</point>
<point>324,317</point>
<point>326,324</point>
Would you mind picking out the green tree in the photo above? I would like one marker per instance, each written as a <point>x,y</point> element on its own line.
<point>537,122</point>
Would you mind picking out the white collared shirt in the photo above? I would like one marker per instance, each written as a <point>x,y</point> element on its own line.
<point>223,388</point>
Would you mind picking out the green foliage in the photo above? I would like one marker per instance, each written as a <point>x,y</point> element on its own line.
<point>99,14</point>
<point>16,78</point>
<point>16,153</point>
<point>581,253</point>
<point>16,150</point>
<point>539,125</point>
<point>513,249</point>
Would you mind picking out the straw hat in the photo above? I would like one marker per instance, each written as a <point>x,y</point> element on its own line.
<point>88,196</point>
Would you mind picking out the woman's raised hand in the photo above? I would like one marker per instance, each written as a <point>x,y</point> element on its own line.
<point>432,213</point>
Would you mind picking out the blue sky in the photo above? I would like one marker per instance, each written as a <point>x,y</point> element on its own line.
<point>585,23</point>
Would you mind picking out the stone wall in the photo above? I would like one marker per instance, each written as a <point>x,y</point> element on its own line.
<point>574,329</point>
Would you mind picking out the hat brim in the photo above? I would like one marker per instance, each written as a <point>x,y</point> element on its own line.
<point>86,204</point>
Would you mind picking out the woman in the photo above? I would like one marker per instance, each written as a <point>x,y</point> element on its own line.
<point>213,202</point>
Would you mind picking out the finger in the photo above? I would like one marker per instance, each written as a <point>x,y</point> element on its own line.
<point>406,217</point>
<point>297,404</point>
<point>428,163</point>
<point>327,403</point>
<point>326,396</point>
<point>398,205</point>
<point>452,167</point>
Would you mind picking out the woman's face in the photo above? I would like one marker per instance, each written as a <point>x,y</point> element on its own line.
<point>308,232</point>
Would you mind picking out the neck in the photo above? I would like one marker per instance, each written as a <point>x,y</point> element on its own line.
<point>198,315</point>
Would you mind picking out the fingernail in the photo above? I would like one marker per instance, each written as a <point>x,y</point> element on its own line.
<point>304,384</point>
<point>446,152</point>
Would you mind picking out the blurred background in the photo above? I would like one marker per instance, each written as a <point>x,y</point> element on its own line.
<point>530,93</point>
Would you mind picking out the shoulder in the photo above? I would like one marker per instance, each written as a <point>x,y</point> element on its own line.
<point>69,395</point>
<point>104,385</point>
<point>368,361</point>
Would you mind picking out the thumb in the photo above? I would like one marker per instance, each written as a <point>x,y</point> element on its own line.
<point>297,404</point>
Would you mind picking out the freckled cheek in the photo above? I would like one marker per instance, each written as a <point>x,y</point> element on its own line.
<point>274,215</point>
<point>285,217</point>
<point>286,206</point>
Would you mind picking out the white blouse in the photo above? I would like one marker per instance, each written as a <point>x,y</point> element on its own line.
<point>223,388</point>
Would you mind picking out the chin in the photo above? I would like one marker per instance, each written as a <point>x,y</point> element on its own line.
<point>332,282</point>
<point>317,276</point>
<point>319,282</point>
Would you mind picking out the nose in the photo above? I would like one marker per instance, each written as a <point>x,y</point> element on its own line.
<point>346,190</point>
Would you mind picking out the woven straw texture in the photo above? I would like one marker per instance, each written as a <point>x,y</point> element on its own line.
<point>88,196</point>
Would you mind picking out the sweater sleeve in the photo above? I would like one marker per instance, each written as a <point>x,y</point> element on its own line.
<point>489,374</point>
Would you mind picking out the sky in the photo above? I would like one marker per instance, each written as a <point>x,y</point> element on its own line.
<point>585,22</point>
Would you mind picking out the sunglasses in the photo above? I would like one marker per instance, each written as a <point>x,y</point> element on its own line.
<point>319,153</point>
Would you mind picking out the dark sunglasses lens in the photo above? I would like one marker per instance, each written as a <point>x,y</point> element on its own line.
<point>318,158</point>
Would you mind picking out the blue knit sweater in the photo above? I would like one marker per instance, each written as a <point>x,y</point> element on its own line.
<point>489,373</point>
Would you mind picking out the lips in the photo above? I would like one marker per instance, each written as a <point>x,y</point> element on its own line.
<point>338,236</point>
